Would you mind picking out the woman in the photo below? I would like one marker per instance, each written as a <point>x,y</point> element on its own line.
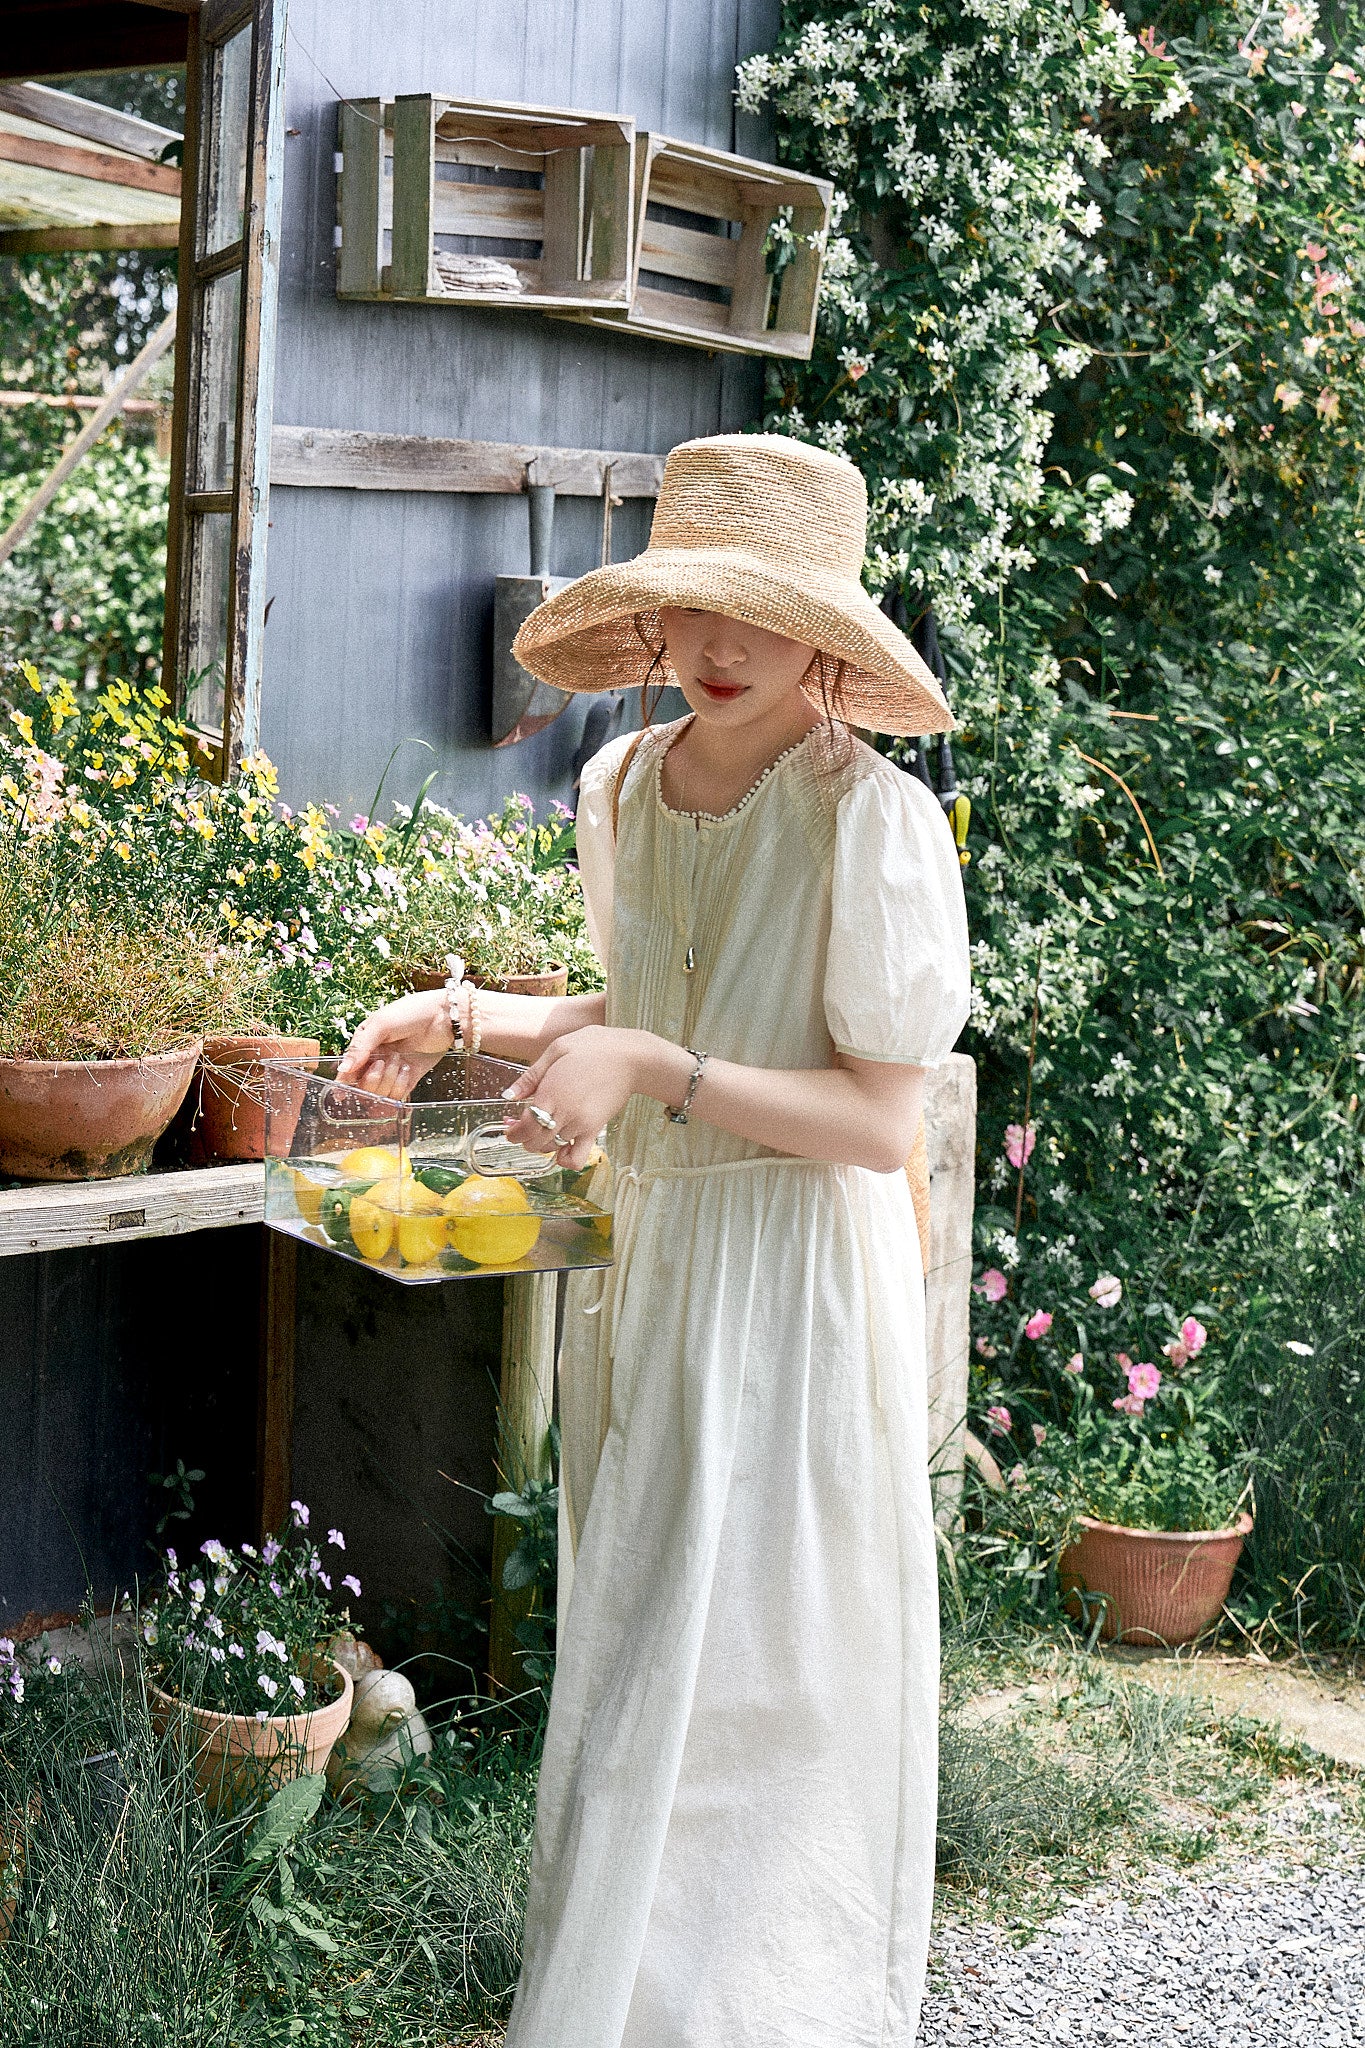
<point>734,1837</point>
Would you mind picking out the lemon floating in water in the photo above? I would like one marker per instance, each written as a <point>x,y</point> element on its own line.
<point>371,1227</point>
<point>420,1220</point>
<point>308,1196</point>
<point>490,1220</point>
<point>374,1162</point>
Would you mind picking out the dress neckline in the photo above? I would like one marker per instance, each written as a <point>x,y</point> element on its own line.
<point>700,818</point>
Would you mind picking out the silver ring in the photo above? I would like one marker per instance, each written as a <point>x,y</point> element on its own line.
<point>566,1144</point>
<point>542,1117</point>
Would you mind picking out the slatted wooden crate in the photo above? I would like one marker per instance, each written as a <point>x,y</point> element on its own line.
<point>477,202</point>
<point>699,273</point>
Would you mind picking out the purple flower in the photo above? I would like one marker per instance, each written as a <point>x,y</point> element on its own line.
<point>300,1514</point>
<point>267,1684</point>
<point>353,1582</point>
<point>270,1552</point>
<point>214,1551</point>
<point>171,1558</point>
<point>325,1580</point>
<point>277,1588</point>
<point>335,1537</point>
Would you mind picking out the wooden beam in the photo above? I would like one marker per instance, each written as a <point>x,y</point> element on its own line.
<point>56,1215</point>
<point>339,459</point>
<point>275,1405</point>
<point>76,451</point>
<point>71,401</point>
<point>47,39</point>
<point>101,165</point>
<point>525,1411</point>
<point>87,119</point>
<point>155,234</point>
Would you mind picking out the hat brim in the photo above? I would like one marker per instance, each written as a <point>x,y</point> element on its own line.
<point>601,632</point>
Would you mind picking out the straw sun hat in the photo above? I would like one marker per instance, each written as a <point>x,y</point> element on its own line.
<point>763,529</point>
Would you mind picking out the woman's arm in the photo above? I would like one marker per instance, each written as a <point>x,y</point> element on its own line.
<point>397,1045</point>
<point>853,1112</point>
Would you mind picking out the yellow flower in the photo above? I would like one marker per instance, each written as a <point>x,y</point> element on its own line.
<point>31,676</point>
<point>123,850</point>
<point>24,723</point>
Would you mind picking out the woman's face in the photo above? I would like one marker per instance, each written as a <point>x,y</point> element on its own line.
<point>730,673</point>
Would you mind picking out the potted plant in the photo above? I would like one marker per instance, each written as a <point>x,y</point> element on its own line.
<point>102,1010</point>
<point>1150,1509</point>
<point>226,1109</point>
<point>239,1665</point>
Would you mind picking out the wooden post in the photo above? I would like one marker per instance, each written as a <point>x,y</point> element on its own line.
<point>275,1404</point>
<point>526,1408</point>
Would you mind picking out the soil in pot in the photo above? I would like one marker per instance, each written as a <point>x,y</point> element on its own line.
<point>227,1106</point>
<point>239,1760</point>
<point>1156,1586</point>
<point>89,1120</point>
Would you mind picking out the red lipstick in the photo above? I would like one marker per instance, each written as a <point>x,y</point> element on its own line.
<point>721,693</point>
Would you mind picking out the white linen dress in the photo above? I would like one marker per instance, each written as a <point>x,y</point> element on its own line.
<point>735,1823</point>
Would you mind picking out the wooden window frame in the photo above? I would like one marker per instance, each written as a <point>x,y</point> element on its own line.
<point>255,258</point>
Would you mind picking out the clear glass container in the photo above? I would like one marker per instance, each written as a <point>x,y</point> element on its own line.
<point>429,1189</point>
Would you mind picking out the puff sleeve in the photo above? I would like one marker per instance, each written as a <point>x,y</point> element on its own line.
<point>897,976</point>
<point>596,846</point>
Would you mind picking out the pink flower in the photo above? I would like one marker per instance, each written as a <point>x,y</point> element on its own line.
<point>1107,1290</point>
<point>1076,1363</point>
<point>986,1348</point>
<point>1038,1324</point>
<point>1018,1478</point>
<point>1193,1336</point>
<point>336,1539</point>
<point>992,1284</point>
<point>1019,1144</point>
<point>1144,1381</point>
<point>1129,1404</point>
<point>1039,1434</point>
<point>353,1582</point>
<point>1178,1353</point>
<point>1000,1420</point>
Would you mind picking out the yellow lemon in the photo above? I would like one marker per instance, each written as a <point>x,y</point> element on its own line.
<point>421,1221</point>
<point>308,1196</point>
<point>371,1227</point>
<point>374,1162</point>
<point>490,1220</point>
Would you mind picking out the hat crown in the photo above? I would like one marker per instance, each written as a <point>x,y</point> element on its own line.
<point>764,495</point>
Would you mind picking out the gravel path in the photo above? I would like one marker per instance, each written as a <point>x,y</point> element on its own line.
<point>1259,1955</point>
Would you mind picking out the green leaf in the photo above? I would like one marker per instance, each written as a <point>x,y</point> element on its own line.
<point>287,1813</point>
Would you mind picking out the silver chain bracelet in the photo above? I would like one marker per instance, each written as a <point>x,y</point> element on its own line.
<point>680,1116</point>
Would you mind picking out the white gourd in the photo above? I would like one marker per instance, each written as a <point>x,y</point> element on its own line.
<point>385,1727</point>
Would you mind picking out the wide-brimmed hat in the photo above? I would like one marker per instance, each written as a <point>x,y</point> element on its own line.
<point>763,529</point>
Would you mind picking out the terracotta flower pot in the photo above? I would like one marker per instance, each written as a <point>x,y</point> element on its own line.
<point>1157,1586</point>
<point>553,982</point>
<point>229,1120</point>
<point>89,1120</point>
<point>238,1759</point>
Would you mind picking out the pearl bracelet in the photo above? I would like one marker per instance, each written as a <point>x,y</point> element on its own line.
<point>455,981</point>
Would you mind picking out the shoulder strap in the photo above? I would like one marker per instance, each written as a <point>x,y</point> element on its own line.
<point>622,772</point>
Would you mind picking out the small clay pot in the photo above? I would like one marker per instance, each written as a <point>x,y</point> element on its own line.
<point>1157,1586</point>
<point>239,1760</point>
<point>553,982</point>
<point>89,1120</point>
<point>233,1092</point>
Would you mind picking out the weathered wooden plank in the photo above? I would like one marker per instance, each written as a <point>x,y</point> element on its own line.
<point>335,458</point>
<point>153,234</point>
<point>85,118</point>
<point>360,137</point>
<point>414,121</point>
<point>667,311</point>
<point>752,290</point>
<point>103,166</point>
<point>54,1216</point>
<point>687,253</point>
<point>526,1408</point>
<point>509,211</point>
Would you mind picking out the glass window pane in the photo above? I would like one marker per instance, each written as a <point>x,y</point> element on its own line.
<point>206,592</point>
<point>229,102</point>
<point>215,429</point>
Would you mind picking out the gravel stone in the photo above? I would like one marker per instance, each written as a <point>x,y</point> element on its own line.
<point>1260,1955</point>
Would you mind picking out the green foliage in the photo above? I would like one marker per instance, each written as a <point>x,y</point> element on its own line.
<point>1092,332</point>
<point>83,594</point>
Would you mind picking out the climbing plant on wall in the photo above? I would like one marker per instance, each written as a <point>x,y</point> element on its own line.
<point>1094,333</point>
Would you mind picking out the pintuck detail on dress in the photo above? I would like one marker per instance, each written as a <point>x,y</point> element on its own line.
<point>735,1824</point>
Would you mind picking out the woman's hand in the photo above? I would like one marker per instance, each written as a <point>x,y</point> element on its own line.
<point>581,1082</point>
<point>397,1045</point>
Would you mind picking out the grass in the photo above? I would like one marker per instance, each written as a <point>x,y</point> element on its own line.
<point>143,1923</point>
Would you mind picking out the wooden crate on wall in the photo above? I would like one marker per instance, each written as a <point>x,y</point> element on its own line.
<point>484,203</point>
<point>700,272</point>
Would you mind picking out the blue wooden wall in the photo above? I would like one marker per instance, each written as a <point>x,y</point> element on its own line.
<point>380,603</point>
